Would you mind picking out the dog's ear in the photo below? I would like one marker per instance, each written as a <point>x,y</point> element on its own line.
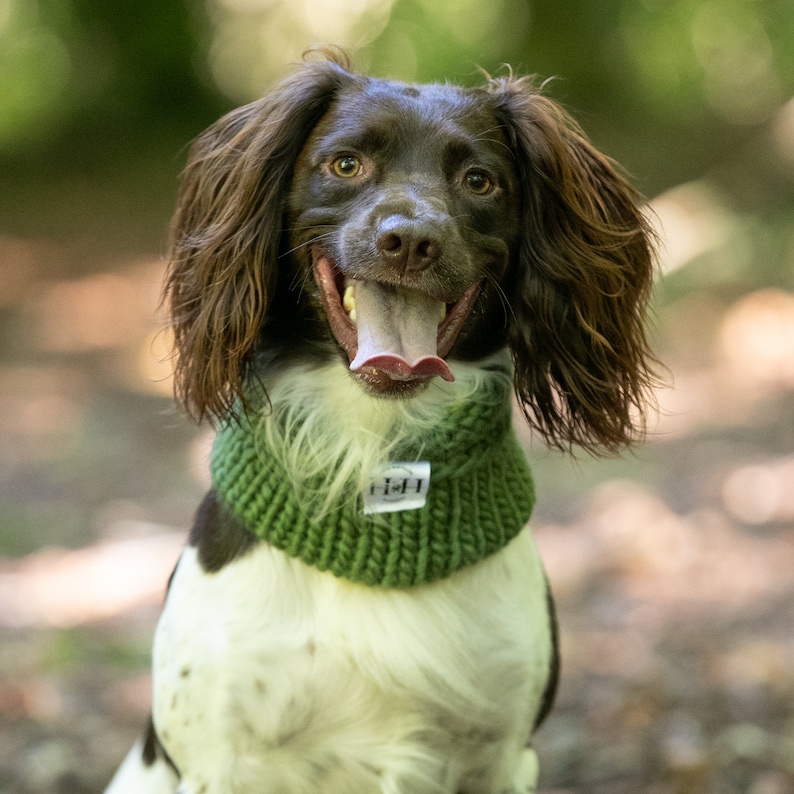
<point>226,234</point>
<point>583,368</point>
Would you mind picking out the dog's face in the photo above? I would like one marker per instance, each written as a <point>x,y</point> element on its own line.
<point>405,205</point>
<point>398,228</point>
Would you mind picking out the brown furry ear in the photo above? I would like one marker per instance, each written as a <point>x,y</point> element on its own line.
<point>583,368</point>
<point>226,233</point>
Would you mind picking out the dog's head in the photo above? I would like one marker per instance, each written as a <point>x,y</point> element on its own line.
<point>403,227</point>
<point>404,200</point>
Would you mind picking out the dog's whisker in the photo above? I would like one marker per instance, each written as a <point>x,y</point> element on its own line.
<point>507,307</point>
<point>484,137</point>
<point>300,281</point>
<point>307,243</point>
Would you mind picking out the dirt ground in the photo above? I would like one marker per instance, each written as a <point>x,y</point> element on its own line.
<point>673,567</point>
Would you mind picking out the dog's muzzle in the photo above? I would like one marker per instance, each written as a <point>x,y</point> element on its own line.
<point>390,331</point>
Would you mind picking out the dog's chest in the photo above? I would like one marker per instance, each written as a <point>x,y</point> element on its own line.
<point>271,670</point>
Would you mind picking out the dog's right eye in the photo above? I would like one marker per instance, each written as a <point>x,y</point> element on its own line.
<point>347,166</point>
<point>478,183</point>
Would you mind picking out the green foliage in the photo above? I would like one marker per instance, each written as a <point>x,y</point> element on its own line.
<point>673,89</point>
<point>35,94</point>
<point>78,70</point>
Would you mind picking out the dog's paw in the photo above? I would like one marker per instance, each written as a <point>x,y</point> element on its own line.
<point>525,780</point>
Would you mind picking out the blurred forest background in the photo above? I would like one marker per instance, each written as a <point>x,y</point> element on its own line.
<point>673,567</point>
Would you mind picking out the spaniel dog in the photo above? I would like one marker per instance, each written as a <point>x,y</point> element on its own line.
<point>364,277</point>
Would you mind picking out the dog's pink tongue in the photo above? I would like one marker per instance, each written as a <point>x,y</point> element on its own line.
<point>397,332</point>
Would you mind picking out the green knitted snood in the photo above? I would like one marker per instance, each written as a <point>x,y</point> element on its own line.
<point>480,497</point>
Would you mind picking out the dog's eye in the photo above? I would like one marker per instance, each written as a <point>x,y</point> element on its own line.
<point>347,166</point>
<point>478,183</point>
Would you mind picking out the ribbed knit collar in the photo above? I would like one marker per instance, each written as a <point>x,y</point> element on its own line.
<point>480,496</point>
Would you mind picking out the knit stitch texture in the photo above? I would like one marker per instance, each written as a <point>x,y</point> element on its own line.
<point>481,496</point>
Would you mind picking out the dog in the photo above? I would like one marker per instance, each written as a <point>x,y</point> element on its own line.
<point>363,275</point>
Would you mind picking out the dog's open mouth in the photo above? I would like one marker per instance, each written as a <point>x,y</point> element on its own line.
<point>390,331</point>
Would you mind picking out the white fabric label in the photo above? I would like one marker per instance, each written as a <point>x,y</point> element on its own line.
<point>398,486</point>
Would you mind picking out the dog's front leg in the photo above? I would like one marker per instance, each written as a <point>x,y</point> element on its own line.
<point>514,771</point>
<point>145,770</point>
<point>525,780</point>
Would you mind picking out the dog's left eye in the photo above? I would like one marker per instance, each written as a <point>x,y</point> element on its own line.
<point>347,166</point>
<point>477,182</point>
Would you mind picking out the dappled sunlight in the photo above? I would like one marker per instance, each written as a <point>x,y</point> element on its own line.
<point>18,269</point>
<point>254,40</point>
<point>722,53</point>
<point>472,20</point>
<point>37,62</point>
<point>97,312</point>
<point>65,588</point>
<point>725,361</point>
<point>345,22</point>
<point>113,313</point>
<point>100,311</point>
<point>691,220</point>
<point>692,401</point>
<point>47,415</point>
<point>753,662</point>
<point>762,492</point>
<point>637,530</point>
<point>736,55</point>
<point>700,559</point>
<point>647,596</point>
<point>42,413</point>
<point>757,341</point>
<point>154,363</point>
<point>724,569</point>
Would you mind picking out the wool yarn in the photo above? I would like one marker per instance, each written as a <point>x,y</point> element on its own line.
<point>481,495</point>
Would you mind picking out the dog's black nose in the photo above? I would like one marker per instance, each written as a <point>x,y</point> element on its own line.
<point>409,244</point>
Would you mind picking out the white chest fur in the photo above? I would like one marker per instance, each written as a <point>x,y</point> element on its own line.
<point>271,676</point>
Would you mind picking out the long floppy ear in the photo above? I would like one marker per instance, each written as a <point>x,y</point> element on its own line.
<point>583,368</point>
<point>226,233</point>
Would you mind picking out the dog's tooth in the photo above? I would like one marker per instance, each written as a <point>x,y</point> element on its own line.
<point>349,301</point>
